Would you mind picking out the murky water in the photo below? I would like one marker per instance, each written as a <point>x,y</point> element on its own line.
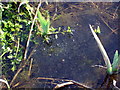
<point>71,56</point>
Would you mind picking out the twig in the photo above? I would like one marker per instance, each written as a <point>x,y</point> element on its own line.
<point>52,79</point>
<point>63,85</point>
<point>71,82</point>
<point>19,44</point>
<point>30,33</point>
<point>100,66</point>
<point>24,64</point>
<point>67,82</point>
<point>29,72</point>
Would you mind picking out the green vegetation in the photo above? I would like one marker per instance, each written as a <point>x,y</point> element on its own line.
<point>46,29</point>
<point>97,30</point>
<point>12,36</point>
<point>20,26</point>
<point>22,23</point>
<point>111,68</point>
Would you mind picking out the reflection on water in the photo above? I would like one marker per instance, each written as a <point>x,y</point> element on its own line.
<point>71,56</point>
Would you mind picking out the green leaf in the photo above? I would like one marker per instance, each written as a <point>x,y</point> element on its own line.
<point>13,68</point>
<point>115,64</point>
<point>10,56</point>
<point>45,24</point>
<point>97,30</point>
<point>109,70</point>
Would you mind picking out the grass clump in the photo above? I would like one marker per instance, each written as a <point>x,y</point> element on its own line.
<point>111,68</point>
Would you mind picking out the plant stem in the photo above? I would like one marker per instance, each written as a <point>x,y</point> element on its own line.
<point>27,47</point>
<point>5,81</point>
<point>30,33</point>
<point>104,53</point>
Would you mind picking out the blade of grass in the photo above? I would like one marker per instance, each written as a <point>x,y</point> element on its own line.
<point>115,64</point>
<point>44,23</point>
<point>103,52</point>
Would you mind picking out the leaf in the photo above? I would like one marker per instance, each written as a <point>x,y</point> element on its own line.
<point>116,61</point>
<point>13,68</point>
<point>10,56</point>
<point>97,30</point>
<point>45,24</point>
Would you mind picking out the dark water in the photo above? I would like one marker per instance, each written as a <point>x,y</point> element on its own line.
<point>71,56</point>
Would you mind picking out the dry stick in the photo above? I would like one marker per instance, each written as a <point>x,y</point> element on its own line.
<point>27,45</point>
<point>68,82</point>
<point>22,66</point>
<point>100,66</point>
<point>63,85</point>
<point>18,71</point>
<point>30,33</point>
<point>51,78</point>
<point>71,82</point>
<point>29,73</point>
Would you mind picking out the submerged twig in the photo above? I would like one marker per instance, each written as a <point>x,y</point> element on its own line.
<point>71,82</point>
<point>63,85</point>
<point>24,64</point>
<point>52,79</point>
<point>100,66</point>
<point>66,82</point>
<point>29,72</point>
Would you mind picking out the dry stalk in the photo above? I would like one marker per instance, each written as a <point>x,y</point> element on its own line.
<point>66,82</point>
<point>72,82</point>
<point>22,66</point>
<point>29,72</point>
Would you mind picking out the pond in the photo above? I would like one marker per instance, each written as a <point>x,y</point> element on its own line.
<point>71,56</point>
